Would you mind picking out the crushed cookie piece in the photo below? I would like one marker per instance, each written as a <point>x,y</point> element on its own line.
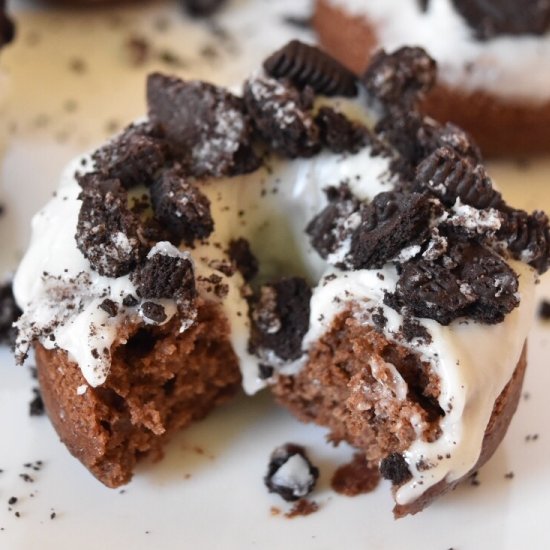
<point>290,473</point>
<point>107,233</point>
<point>242,256</point>
<point>204,124</point>
<point>280,318</point>
<point>395,468</point>
<point>306,65</point>
<point>36,406</point>
<point>181,207</point>
<point>282,117</point>
<point>400,78</point>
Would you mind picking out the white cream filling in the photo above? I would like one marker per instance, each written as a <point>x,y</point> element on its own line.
<point>510,67</point>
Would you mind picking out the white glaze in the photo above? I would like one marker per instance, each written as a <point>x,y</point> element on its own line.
<point>510,67</point>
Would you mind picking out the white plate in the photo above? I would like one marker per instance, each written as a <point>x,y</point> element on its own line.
<point>208,491</point>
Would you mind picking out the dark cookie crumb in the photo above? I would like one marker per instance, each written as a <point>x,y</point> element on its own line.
<point>395,468</point>
<point>154,312</point>
<point>36,406</point>
<point>135,157</point>
<point>413,330</point>
<point>166,276</point>
<point>9,313</point>
<point>339,134</point>
<point>201,8</point>
<point>107,233</point>
<point>306,65</point>
<point>242,256</point>
<point>110,307</point>
<point>181,207</point>
<point>544,310</point>
<point>204,124</point>
<point>401,77</point>
<point>298,482</point>
<point>449,177</point>
<point>468,281</point>
<point>130,301</point>
<point>491,18</point>
<point>280,318</point>
<point>282,117</point>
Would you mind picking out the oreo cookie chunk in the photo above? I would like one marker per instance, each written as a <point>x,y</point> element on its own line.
<point>339,134</point>
<point>181,207</point>
<point>371,234</point>
<point>468,281</point>
<point>280,319</point>
<point>449,177</point>
<point>395,468</point>
<point>290,473</point>
<point>201,8</point>
<point>241,255</point>
<point>169,274</point>
<point>282,117</point>
<point>7,28</point>
<point>491,18</point>
<point>400,78</point>
<point>205,125</point>
<point>108,233</point>
<point>526,237</point>
<point>308,66</point>
<point>9,313</point>
<point>135,157</point>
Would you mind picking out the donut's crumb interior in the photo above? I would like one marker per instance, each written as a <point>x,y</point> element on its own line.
<point>160,381</point>
<point>365,389</point>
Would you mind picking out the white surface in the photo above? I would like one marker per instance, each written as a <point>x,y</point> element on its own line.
<point>224,503</point>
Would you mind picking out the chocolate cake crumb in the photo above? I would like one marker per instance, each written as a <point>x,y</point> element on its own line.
<point>290,473</point>
<point>36,406</point>
<point>9,313</point>
<point>181,207</point>
<point>280,318</point>
<point>242,256</point>
<point>204,124</point>
<point>491,18</point>
<point>355,478</point>
<point>282,117</point>
<point>544,310</point>
<point>166,276</point>
<point>135,157</point>
<point>303,507</point>
<point>107,232</point>
<point>306,65</point>
<point>154,312</point>
<point>201,8</point>
<point>339,134</point>
<point>109,307</point>
<point>400,78</point>
<point>395,468</point>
